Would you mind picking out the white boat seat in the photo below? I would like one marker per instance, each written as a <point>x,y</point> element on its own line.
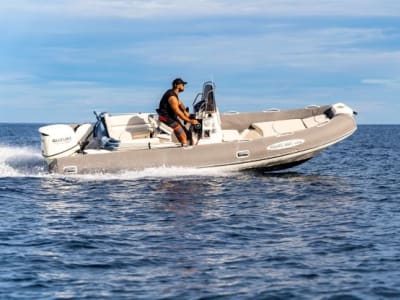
<point>265,129</point>
<point>83,131</point>
<point>278,128</point>
<point>288,126</point>
<point>165,128</point>
<point>125,136</point>
<point>163,132</point>
<point>128,127</point>
<point>318,120</point>
<point>250,134</point>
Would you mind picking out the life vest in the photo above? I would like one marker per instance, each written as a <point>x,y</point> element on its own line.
<point>165,108</point>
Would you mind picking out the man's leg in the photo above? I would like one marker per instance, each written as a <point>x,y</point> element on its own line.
<point>177,127</point>
<point>180,133</point>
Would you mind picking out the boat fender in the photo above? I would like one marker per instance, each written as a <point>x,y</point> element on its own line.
<point>340,108</point>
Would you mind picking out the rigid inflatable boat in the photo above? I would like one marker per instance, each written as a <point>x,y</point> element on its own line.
<point>267,140</point>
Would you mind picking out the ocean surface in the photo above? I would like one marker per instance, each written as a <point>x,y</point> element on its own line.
<point>327,229</point>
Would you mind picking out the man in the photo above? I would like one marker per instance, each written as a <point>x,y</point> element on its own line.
<point>171,108</point>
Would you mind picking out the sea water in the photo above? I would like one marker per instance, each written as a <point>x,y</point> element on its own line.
<point>327,229</point>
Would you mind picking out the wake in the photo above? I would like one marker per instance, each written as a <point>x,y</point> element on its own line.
<point>154,173</point>
<point>21,161</point>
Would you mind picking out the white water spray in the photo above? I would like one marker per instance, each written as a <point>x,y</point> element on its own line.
<point>20,161</point>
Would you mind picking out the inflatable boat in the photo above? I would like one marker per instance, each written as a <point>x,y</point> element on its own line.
<point>265,140</point>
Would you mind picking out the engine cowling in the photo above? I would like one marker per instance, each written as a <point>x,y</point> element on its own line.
<point>61,140</point>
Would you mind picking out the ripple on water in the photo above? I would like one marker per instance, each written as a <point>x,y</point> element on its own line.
<point>324,230</point>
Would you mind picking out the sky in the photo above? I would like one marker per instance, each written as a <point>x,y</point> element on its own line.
<point>61,60</point>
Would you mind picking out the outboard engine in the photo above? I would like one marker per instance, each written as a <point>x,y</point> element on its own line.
<point>207,113</point>
<point>62,140</point>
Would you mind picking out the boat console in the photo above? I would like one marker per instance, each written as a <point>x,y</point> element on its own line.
<point>206,112</point>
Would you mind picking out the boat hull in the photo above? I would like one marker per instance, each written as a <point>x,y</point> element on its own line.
<point>269,153</point>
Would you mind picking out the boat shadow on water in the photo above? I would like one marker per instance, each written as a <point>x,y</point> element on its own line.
<point>285,174</point>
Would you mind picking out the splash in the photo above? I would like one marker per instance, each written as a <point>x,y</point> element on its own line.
<point>154,173</point>
<point>21,161</point>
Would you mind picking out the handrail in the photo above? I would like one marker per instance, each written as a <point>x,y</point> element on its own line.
<point>272,110</point>
<point>230,112</point>
<point>312,106</point>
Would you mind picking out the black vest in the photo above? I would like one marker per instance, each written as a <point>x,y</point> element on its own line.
<point>165,109</point>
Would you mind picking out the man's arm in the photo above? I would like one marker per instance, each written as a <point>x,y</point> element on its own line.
<point>183,109</point>
<point>176,107</point>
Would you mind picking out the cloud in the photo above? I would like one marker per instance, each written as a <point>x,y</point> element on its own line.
<point>329,49</point>
<point>15,77</point>
<point>386,82</point>
<point>115,54</point>
<point>139,9</point>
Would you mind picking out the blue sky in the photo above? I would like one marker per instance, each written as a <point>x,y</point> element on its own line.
<point>60,60</point>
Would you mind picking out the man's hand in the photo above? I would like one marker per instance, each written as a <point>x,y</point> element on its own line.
<point>194,121</point>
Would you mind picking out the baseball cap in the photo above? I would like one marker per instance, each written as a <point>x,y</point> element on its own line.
<point>178,81</point>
